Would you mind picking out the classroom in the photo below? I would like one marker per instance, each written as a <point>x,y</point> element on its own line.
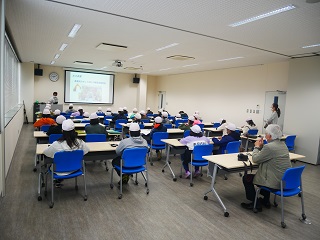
<point>224,59</point>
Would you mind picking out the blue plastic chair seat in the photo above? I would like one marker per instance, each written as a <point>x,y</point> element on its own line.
<point>71,175</point>
<point>286,193</point>
<point>127,170</point>
<point>158,147</point>
<point>199,163</point>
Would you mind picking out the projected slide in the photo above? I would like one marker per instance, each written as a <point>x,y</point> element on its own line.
<point>85,87</point>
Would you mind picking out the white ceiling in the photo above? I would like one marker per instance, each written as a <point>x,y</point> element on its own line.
<point>40,27</point>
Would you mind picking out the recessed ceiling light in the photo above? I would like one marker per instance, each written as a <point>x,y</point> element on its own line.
<point>191,65</point>
<point>310,46</point>
<point>228,59</point>
<point>264,15</point>
<point>168,46</point>
<point>180,57</point>
<point>82,63</point>
<point>52,62</point>
<point>136,57</point>
<point>164,69</point>
<point>56,56</point>
<point>63,46</point>
<point>74,30</point>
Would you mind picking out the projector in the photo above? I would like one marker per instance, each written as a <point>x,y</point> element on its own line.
<point>117,63</point>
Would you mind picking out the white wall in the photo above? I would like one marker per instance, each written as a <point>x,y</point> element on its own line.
<point>302,109</point>
<point>226,93</point>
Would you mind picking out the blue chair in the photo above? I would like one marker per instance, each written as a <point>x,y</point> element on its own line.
<point>54,137</point>
<point>233,147</point>
<point>106,121</point>
<point>100,114</point>
<point>108,117</point>
<point>78,117</point>
<point>253,131</point>
<point>180,121</point>
<point>290,185</point>
<point>117,125</point>
<point>186,133</point>
<point>171,118</point>
<point>85,121</point>
<point>67,161</point>
<point>145,120</point>
<point>45,128</point>
<point>196,159</point>
<point>216,125</point>
<point>201,125</point>
<point>157,144</point>
<point>133,161</point>
<point>168,125</point>
<point>93,137</point>
<point>290,142</point>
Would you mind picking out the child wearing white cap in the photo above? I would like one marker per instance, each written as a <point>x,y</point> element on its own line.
<point>135,140</point>
<point>100,112</point>
<point>78,113</point>
<point>158,127</point>
<point>108,112</point>
<point>149,111</point>
<point>134,111</point>
<point>196,119</point>
<point>56,129</point>
<point>222,127</point>
<point>45,119</point>
<point>196,137</point>
<point>94,127</point>
<point>120,115</point>
<point>231,136</point>
<point>70,109</point>
<point>165,119</point>
<point>188,125</point>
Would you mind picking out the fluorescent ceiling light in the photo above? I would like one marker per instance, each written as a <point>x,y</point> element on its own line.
<point>164,69</point>
<point>191,65</point>
<point>63,46</point>
<point>264,15</point>
<point>228,59</point>
<point>314,45</point>
<point>168,46</point>
<point>56,56</point>
<point>82,63</point>
<point>52,62</point>
<point>74,30</point>
<point>136,57</point>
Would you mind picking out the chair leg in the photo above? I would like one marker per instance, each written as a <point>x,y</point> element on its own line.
<point>39,186</point>
<point>191,183</point>
<point>52,190</point>
<point>255,210</point>
<point>147,181</point>
<point>85,182</point>
<point>111,181</point>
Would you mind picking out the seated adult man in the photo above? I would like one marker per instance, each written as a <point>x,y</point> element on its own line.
<point>134,141</point>
<point>231,136</point>
<point>273,159</point>
<point>94,127</point>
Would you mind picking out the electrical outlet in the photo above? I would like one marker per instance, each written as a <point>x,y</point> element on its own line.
<point>250,110</point>
<point>247,110</point>
<point>253,111</point>
<point>257,111</point>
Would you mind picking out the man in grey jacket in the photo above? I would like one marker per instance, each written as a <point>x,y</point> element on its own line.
<point>273,159</point>
<point>134,141</point>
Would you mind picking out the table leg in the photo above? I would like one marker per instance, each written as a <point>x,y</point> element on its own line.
<point>168,163</point>
<point>246,148</point>
<point>215,170</point>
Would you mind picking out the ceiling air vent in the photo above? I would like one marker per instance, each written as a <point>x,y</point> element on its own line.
<point>111,47</point>
<point>180,57</point>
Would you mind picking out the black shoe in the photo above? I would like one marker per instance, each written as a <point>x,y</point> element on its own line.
<point>250,206</point>
<point>265,203</point>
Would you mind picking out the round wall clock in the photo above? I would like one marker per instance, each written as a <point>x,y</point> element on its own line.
<point>54,76</point>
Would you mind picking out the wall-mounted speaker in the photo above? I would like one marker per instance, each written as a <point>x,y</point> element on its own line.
<point>38,72</point>
<point>136,80</point>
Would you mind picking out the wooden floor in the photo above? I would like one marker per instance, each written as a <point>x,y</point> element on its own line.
<point>172,210</point>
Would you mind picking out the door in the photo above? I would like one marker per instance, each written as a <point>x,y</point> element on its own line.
<point>161,100</point>
<point>278,97</point>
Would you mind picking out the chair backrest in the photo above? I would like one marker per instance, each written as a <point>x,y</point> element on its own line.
<point>186,133</point>
<point>290,141</point>
<point>134,157</point>
<point>78,117</point>
<point>141,126</point>
<point>252,131</point>
<point>106,122</point>
<point>68,161</point>
<point>168,125</point>
<point>202,150</point>
<point>145,120</point>
<point>118,126</point>
<point>180,121</point>
<point>93,137</point>
<point>216,125</point>
<point>108,117</point>
<point>171,117</point>
<point>233,147</point>
<point>292,177</point>
<point>45,128</point>
<point>100,114</point>
<point>54,137</point>
<point>85,121</point>
<point>157,136</point>
<point>201,125</point>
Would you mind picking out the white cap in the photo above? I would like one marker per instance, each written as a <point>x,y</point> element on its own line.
<point>93,116</point>
<point>67,125</point>
<point>248,119</point>
<point>125,108</point>
<point>108,109</point>
<point>135,110</point>
<point>70,105</point>
<point>80,108</point>
<point>48,104</point>
<point>120,109</point>
<point>195,129</point>
<point>196,115</point>
<point>46,111</point>
<point>178,115</point>
<point>57,112</point>
<point>148,108</point>
<point>86,114</point>
<point>142,112</point>
<point>137,116</point>
<point>274,130</point>
<point>164,114</point>
<point>158,120</point>
<point>60,119</point>
<point>108,114</point>
<point>99,108</point>
<point>46,107</point>
<point>134,127</point>
<point>231,127</point>
<point>191,118</point>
